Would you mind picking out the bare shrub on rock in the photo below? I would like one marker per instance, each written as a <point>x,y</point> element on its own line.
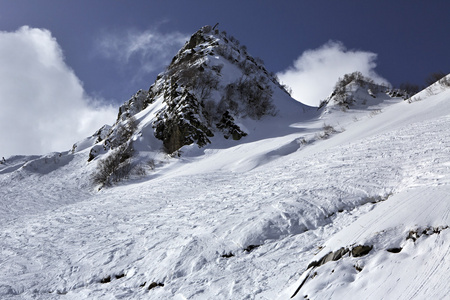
<point>115,167</point>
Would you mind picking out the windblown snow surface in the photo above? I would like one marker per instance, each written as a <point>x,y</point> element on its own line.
<point>244,222</point>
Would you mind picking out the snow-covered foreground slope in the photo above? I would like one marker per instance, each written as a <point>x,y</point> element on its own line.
<point>244,222</point>
<point>410,240</point>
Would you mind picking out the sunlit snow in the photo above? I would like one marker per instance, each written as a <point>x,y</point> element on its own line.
<point>243,220</point>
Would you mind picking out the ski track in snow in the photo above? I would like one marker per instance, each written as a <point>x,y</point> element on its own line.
<point>61,240</point>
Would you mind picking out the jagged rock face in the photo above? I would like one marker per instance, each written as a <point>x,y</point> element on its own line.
<point>181,124</point>
<point>199,101</point>
<point>137,103</point>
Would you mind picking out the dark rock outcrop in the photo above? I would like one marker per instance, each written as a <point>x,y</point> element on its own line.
<point>355,251</point>
<point>181,123</point>
<point>361,250</point>
<point>229,128</point>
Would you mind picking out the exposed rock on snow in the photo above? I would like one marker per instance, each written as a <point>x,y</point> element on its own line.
<point>355,251</point>
<point>229,128</point>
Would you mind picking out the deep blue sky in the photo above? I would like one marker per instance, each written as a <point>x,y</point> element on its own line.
<point>410,37</point>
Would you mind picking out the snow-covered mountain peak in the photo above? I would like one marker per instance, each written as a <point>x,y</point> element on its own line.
<point>208,63</point>
<point>213,88</point>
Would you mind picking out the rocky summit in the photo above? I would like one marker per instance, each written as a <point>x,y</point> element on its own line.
<point>210,86</point>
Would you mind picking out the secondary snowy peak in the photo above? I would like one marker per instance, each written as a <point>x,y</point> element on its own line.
<point>354,90</point>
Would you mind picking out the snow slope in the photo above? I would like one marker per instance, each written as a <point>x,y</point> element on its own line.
<point>410,239</point>
<point>243,221</point>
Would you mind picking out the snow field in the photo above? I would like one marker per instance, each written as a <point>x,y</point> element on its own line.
<point>382,177</point>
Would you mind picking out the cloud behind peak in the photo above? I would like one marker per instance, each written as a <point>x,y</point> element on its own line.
<point>315,72</point>
<point>150,48</point>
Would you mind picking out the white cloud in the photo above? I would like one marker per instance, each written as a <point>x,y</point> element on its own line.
<point>151,48</point>
<point>315,72</point>
<point>43,106</point>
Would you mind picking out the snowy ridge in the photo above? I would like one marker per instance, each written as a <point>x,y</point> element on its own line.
<point>241,218</point>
